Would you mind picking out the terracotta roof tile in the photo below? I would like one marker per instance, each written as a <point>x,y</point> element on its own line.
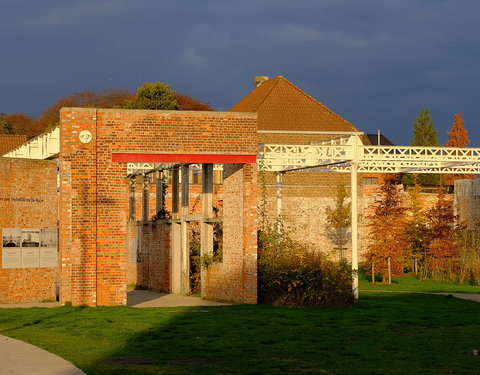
<point>283,106</point>
<point>8,142</point>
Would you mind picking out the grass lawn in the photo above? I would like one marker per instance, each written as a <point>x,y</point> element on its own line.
<point>385,333</point>
<point>412,284</point>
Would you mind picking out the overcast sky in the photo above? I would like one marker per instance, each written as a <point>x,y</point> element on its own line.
<point>376,63</point>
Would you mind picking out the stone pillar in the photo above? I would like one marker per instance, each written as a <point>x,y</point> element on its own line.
<point>159,192</point>
<point>132,203</point>
<point>175,274</point>
<point>206,231</point>
<point>145,198</point>
<point>185,243</point>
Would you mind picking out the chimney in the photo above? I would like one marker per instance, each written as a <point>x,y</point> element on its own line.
<point>260,79</point>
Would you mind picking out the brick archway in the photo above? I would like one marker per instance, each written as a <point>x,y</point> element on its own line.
<point>94,195</point>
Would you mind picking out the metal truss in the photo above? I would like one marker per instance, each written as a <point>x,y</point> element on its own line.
<point>336,154</point>
<point>372,159</point>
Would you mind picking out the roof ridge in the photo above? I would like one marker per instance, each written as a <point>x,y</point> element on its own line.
<point>269,91</point>
<point>316,101</point>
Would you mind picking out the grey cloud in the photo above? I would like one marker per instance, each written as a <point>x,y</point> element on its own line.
<point>377,63</point>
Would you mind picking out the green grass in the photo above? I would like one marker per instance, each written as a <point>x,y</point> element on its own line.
<point>412,284</point>
<point>384,333</point>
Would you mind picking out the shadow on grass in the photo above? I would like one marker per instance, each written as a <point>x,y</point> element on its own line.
<point>383,333</point>
<point>395,334</point>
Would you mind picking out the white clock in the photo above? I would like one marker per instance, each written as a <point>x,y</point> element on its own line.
<point>85,136</point>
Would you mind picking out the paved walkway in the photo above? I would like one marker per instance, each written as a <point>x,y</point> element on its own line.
<point>145,298</point>
<point>468,296</point>
<point>19,358</point>
<point>135,298</point>
<point>471,297</point>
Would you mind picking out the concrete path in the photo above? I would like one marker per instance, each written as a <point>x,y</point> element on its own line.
<point>467,296</point>
<point>145,298</point>
<point>471,297</point>
<point>135,298</point>
<point>20,358</point>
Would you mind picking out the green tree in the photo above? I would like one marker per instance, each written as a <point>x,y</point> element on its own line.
<point>424,134</point>
<point>153,95</point>
<point>5,128</point>
<point>338,219</point>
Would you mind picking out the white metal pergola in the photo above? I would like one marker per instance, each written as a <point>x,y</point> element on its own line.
<point>345,154</point>
<point>351,156</point>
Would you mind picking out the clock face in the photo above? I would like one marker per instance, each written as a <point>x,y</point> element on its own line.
<point>85,136</point>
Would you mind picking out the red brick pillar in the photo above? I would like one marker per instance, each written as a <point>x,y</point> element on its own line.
<point>250,212</point>
<point>78,209</point>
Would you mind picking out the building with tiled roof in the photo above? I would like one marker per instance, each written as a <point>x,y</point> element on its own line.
<point>9,142</point>
<point>283,108</point>
<point>288,115</point>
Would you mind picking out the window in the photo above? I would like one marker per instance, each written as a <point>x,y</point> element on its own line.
<point>370,181</point>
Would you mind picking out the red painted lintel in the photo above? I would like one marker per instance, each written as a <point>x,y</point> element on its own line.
<point>184,158</point>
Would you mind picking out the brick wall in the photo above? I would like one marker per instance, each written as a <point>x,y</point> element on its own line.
<point>467,202</point>
<point>239,266</point>
<point>28,199</point>
<point>151,256</point>
<point>94,190</point>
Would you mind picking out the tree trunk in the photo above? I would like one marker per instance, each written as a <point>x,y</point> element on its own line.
<point>373,272</point>
<point>389,271</point>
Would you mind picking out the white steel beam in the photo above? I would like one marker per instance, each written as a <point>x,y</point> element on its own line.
<point>378,159</point>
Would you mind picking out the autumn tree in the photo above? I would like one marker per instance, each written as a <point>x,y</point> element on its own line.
<point>18,123</point>
<point>187,103</point>
<point>153,95</point>
<point>417,227</point>
<point>149,96</point>
<point>338,219</point>
<point>443,240</point>
<point>387,228</point>
<point>458,137</point>
<point>424,134</point>
<point>108,98</point>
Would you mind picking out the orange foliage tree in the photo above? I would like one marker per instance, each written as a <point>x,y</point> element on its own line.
<point>18,123</point>
<point>417,226</point>
<point>187,103</point>
<point>442,250</point>
<point>387,227</point>
<point>458,137</point>
<point>108,98</point>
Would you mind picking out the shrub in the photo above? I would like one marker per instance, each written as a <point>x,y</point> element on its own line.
<point>292,274</point>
